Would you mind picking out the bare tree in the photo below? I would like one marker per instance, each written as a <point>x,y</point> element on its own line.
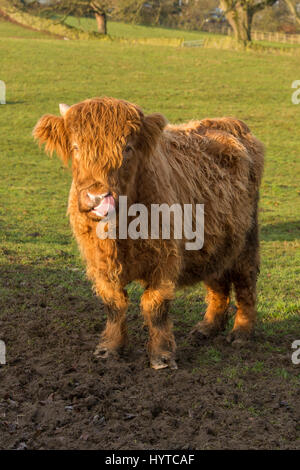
<point>98,8</point>
<point>295,12</point>
<point>80,8</point>
<point>240,13</point>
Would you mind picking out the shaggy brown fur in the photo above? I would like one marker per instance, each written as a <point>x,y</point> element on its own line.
<point>115,148</point>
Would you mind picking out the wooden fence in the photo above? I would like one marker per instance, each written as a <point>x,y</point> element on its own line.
<point>276,37</point>
<point>261,36</point>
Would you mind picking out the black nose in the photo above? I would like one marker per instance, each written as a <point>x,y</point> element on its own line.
<point>96,200</point>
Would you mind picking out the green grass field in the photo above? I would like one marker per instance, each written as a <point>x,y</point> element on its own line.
<point>123,30</point>
<point>12,30</point>
<point>115,30</point>
<point>130,31</point>
<point>181,83</point>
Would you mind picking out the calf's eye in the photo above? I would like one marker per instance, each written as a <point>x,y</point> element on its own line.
<point>126,154</point>
<point>128,149</point>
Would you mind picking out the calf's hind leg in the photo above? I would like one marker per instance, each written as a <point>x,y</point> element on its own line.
<point>245,289</point>
<point>215,317</point>
<point>244,277</point>
<point>161,345</point>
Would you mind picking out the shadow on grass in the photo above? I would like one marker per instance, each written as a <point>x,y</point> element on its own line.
<point>15,102</point>
<point>284,231</point>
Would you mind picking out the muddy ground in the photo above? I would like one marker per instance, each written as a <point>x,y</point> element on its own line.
<point>55,395</point>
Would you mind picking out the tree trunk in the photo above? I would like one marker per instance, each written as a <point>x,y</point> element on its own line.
<point>293,10</point>
<point>101,22</point>
<point>240,19</point>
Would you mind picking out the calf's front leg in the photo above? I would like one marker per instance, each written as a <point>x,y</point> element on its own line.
<point>161,345</point>
<point>114,336</point>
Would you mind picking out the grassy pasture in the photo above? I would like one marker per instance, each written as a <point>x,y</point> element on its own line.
<point>8,29</point>
<point>131,31</point>
<point>123,30</point>
<point>36,247</point>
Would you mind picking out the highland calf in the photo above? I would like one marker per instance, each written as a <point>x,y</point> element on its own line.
<point>118,150</point>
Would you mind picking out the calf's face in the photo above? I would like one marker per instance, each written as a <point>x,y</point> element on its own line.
<point>108,142</point>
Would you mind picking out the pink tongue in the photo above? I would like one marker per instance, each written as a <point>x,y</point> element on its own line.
<point>106,205</point>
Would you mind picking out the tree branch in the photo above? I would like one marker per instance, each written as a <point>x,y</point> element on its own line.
<point>293,10</point>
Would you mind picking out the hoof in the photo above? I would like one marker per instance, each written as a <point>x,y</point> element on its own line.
<point>162,362</point>
<point>238,338</point>
<point>202,331</point>
<point>103,352</point>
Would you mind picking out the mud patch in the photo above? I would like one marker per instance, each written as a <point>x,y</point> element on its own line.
<point>55,395</point>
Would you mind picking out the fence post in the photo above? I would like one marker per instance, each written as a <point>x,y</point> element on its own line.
<point>2,92</point>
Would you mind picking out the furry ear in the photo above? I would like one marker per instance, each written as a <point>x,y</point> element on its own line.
<point>153,125</point>
<point>50,130</point>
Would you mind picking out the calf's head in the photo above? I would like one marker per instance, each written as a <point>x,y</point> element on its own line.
<point>108,142</point>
